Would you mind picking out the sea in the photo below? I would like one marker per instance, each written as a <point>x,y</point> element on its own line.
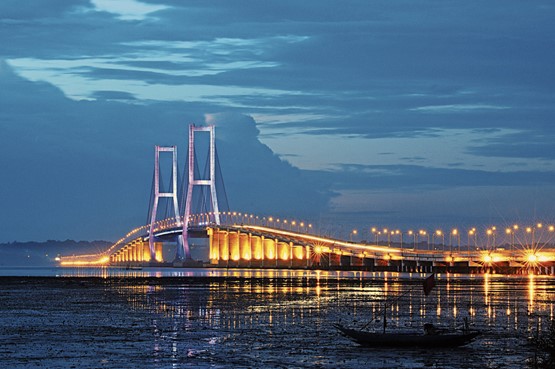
<point>248,318</point>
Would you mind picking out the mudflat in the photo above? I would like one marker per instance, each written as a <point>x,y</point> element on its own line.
<point>227,322</point>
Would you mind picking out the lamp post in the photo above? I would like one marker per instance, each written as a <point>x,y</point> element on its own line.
<point>471,232</point>
<point>375,233</point>
<point>490,232</point>
<point>385,231</point>
<point>353,232</point>
<point>438,233</point>
<point>532,230</point>
<point>509,231</point>
<point>422,232</point>
<point>455,233</point>
<point>411,233</point>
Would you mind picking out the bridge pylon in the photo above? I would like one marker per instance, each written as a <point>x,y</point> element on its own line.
<point>184,253</point>
<point>158,193</point>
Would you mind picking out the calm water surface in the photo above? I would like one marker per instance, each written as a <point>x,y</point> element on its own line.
<point>216,318</point>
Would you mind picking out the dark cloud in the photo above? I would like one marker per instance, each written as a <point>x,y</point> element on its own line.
<point>84,169</point>
<point>377,70</point>
<point>416,177</point>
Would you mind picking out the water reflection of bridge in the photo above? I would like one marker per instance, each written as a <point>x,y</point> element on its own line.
<point>238,240</point>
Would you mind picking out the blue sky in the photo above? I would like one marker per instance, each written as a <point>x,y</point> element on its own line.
<point>352,114</point>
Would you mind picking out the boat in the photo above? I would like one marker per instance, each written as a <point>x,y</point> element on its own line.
<point>430,337</point>
<point>132,267</point>
<point>408,339</point>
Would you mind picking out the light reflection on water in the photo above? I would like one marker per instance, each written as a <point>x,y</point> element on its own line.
<point>229,318</point>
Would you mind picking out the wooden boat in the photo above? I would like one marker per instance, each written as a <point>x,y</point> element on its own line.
<point>408,339</point>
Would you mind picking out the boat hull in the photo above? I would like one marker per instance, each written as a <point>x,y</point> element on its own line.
<point>408,340</point>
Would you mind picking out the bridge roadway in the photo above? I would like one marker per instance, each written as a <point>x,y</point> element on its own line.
<point>238,245</point>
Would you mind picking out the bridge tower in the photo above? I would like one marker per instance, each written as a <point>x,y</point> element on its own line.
<point>158,193</point>
<point>185,252</point>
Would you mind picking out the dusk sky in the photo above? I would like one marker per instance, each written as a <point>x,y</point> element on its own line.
<point>353,113</point>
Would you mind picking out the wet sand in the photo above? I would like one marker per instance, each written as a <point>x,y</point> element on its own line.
<point>258,322</point>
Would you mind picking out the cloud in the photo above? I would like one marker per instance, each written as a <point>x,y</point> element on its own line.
<point>130,10</point>
<point>84,168</point>
<point>457,108</point>
<point>258,179</point>
<point>312,96</point>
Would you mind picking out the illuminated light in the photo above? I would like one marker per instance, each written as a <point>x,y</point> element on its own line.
<point>322,240</point>
<point>455,232</point>
<point>539,225</point>
<point>318,250</point>
<point>543,258</point>
<point>508,231</point>
<point>528,229</point>
<point>532,258</point>
<point>298,252</point>
<point>487,258</point>
<point>284,251</point>
<point>551,228</point>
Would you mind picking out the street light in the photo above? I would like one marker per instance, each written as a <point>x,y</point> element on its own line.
<point>491,232</point>
<point>353,232</point>
<point>375,232</point>
<point>471,232</point>
<point>411,233</point>
<point>511,232</point>
<point>424,233</point>
<point>532,230</point>
<point>438,233</point>
<point>455,233</point>
<point>401,235</point>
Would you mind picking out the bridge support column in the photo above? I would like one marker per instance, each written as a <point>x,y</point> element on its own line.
<point>291,257</point>
<point>158,254</point>
<point>257,244</point>
<point>214,247</point>
<point>234,251</point>
<point>158,193</point>
<point>223,243</point>
<point>185,252</point>
<point>245,247</point>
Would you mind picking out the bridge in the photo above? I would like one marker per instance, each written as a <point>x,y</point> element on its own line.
<point>242,240</point>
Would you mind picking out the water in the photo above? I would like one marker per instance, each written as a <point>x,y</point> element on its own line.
<point>217,318</point>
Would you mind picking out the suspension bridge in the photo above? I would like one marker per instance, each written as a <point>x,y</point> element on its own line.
<point>195,207</point>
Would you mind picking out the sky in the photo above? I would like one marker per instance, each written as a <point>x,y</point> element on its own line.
<point>347,114</point>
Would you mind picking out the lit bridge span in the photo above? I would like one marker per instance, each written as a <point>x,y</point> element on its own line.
<point>257,243</point>
<point>238,240</point>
